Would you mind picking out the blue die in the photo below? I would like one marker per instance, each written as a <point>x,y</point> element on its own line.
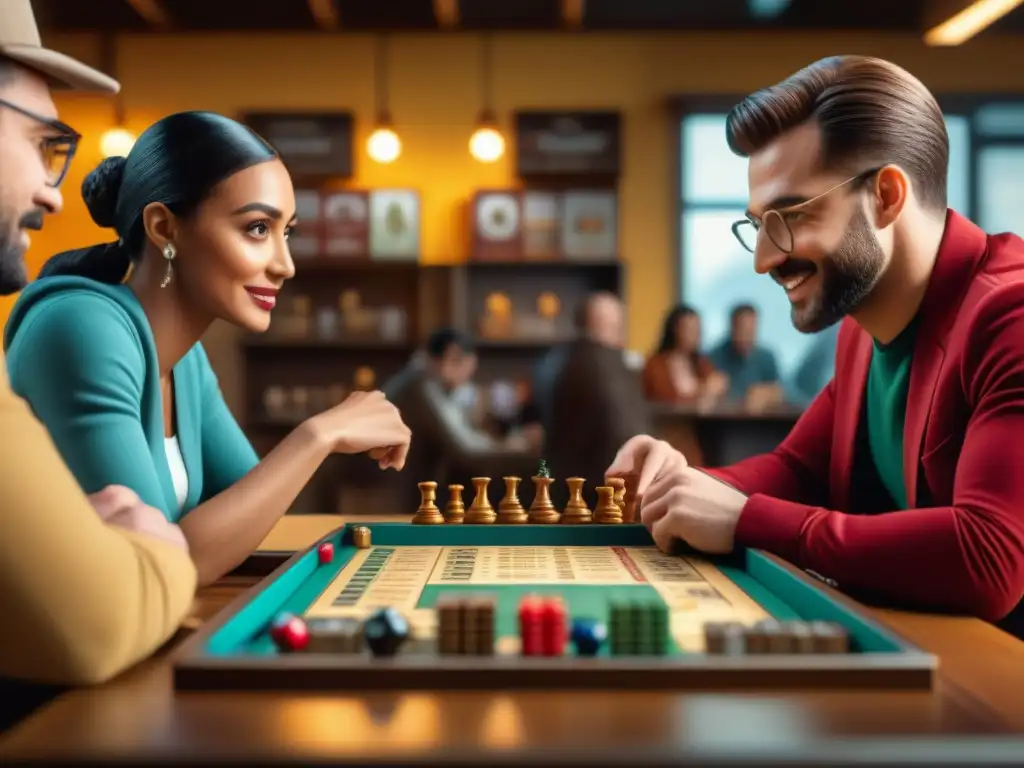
<point>588,635</point>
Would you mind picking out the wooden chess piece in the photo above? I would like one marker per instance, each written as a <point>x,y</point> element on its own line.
<point>428,513</point>
<point>629,499</point>
<point>455,509</point>
<point>510,509</point>
<point>542,511</point>
<point>576,512</point>
<point>618,485</point>
<point>480,511</point>
<point>607,511</point>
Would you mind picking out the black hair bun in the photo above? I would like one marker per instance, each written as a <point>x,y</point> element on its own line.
<point>101,188</point>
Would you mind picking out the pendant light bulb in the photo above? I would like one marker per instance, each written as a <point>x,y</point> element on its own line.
<point>487,144</point>
<point>117,142</point>
<point>384,146</point>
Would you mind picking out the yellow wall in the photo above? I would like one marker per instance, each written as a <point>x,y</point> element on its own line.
<point>434,91</point>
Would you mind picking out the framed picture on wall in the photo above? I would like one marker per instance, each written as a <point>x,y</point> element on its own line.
<point>395,224</point>
<point>589,225</point>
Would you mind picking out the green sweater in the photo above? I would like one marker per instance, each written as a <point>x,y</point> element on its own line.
<point>888,385</point>
<point>82,354</point>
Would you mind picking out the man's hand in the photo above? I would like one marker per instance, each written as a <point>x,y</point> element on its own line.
<point>688,504</point>
<point>763,397</point>
<point>644,458</point>
<point>120,506</point>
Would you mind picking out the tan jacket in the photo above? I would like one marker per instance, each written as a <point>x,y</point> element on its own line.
<point>81,600</point>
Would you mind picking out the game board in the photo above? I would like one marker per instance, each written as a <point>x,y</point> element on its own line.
<point>414,568</point>
<point>411,579</point>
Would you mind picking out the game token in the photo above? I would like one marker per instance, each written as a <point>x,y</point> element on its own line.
<point>325,552</point>
<point>289,632</point>
<point>361,537</point>
<point>553,629</point>
<point>588,635</point>
<point>530,628</point>
<point>385,631</point>
<point>334,635</point>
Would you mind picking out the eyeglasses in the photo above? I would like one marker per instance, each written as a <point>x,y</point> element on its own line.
<point>56,149</point>
<point>774,222</point>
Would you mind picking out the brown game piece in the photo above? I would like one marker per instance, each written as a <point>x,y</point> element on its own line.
<point>428,513</point>
<point>480,511</point>
<point>619,486</point>
<point>756,639</point>
<point>449,625</point>
<point>829,637</point>
<point>334,635</point>
<point>629,499</point>
<point>361,537</point>
<point>775,637</point>
<point>542,511</point>
<point>607,511</point>
<point>800,638</point>
<point>455,509</point>
<point>510,509</point>
<point>576,511</point>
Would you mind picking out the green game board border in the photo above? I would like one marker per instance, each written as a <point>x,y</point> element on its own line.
<point>234,643</point>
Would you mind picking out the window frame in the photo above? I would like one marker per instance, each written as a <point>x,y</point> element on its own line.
<point>952,104</point>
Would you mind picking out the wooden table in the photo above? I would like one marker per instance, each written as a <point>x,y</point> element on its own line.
<point>977,708</point>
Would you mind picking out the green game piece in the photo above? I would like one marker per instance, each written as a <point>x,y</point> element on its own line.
<point>543,471</point>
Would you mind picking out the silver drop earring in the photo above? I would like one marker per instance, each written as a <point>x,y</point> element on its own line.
<point>169,254</point>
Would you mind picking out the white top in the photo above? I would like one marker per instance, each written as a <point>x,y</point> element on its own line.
<point>179,474</point>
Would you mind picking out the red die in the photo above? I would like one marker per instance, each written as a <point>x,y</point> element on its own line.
<point>325,552</point>
<point>289,633</point>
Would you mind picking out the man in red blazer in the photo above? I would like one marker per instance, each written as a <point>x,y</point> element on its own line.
<point>904,480</point>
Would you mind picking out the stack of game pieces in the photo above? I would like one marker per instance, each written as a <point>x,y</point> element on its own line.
<point>638,627</point>
<point>449,625</point>
<point>335,635</point>
<point>465,625</point>
<point>531,635</point>
<point>478,625</point>
<point>543,626</point>
<point>554,628</point>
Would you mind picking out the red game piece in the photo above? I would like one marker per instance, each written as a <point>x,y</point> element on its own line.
<point>289,633</point>
<point>554,632</point>
<point>530,629</point>
<point>325,552</point>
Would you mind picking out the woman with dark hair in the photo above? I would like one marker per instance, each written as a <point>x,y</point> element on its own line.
<point>677,372</point>
<point>105,345</point>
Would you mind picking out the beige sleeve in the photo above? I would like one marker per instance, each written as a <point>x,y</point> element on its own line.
<point>81,601</point>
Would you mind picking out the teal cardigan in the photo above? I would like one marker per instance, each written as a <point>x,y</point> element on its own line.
<point>82,354</point>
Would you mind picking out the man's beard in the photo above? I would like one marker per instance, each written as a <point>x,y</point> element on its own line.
<point>13,274</point>
<point>848,275</point>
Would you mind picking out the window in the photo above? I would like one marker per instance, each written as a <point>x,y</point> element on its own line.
<point>716,273</point>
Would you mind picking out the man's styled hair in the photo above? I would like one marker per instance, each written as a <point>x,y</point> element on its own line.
<point>870,113</point>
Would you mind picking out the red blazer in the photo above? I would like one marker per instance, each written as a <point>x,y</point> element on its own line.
<point>960,545</point>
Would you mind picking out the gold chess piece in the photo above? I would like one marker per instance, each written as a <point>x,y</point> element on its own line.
<point>428,513</point>
<point>629,500</point>
<point>618,485</point>
<point>542,511</point>
<point>480,511</point>
<point>576,512</point>
<point>455,509</point>
<point>606,511</point>
<point>510,509</point>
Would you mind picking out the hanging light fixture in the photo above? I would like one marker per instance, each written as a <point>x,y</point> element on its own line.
<point>118,140</point>
<point>384,146</point>
<point>487,144</point>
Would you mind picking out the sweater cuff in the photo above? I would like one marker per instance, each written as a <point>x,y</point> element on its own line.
<point>773,525</point>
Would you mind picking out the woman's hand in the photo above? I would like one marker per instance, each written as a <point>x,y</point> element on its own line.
<point>366,422</point>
